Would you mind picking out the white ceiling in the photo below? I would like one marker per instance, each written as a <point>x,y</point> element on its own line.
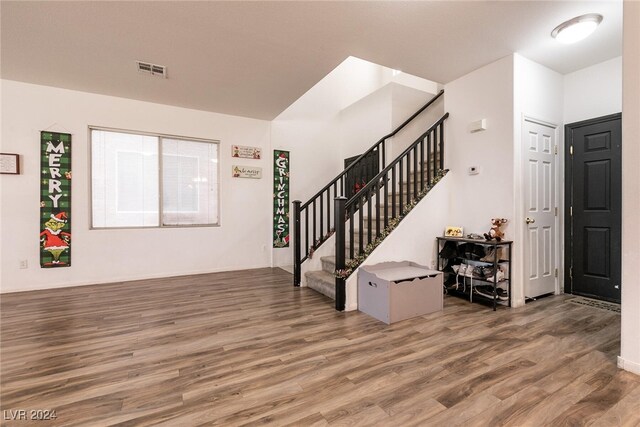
<point>254,59</point>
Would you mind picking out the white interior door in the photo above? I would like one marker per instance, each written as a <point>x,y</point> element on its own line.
<point>539,146</point>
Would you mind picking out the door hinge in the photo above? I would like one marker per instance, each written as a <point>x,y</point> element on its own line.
<point>555,149</point>
<point>571,272</point>
<point>556,211</point>
<point>570,210</point>
<point>556,272</point>
<point>571,150</point>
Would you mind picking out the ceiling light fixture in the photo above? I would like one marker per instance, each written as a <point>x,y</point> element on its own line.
<point>577,28</point>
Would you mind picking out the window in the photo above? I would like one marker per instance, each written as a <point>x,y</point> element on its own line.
<point>143,180</point>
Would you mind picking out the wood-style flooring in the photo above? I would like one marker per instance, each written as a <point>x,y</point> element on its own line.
<point>247,348</point>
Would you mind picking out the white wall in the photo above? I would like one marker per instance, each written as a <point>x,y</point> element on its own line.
<point>367,120</point>
<point>364,122</point>
<point>502,93</point>
<point>538,94</point>
<point>486,93</point>
<point>406,101</point>
<point>630,340</point>
<point>242,241</point>
<point>593,91</point>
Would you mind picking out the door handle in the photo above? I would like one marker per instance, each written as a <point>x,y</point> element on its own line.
<point>529,220</point>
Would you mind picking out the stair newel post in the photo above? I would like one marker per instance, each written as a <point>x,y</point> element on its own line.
<point>441,143</point>
<point>339,218</point>
<point>296,243</point>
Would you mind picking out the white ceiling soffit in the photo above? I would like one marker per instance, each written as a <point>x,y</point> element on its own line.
<point>254,59</point>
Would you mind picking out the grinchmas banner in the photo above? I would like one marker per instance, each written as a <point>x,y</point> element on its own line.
<point>280,199</point>
<point>55,199</point>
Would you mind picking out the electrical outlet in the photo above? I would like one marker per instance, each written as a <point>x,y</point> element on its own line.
<point>24,263</point>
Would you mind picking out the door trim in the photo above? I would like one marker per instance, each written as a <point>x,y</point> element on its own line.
<point>568,172</point>
<point>559,190</point>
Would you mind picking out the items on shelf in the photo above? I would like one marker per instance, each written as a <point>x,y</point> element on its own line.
<point>474,269</point>
<point>495,233</point>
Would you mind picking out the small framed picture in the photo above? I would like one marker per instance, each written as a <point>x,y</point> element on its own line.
<point>453,232</point>
<point>10,163</point>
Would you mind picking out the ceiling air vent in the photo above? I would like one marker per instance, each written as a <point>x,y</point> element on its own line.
<point>153,69</point>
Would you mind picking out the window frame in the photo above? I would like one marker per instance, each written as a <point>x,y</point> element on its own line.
<point>160,136</point>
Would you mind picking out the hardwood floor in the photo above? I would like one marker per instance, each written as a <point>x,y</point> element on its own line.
<point>247,348</point>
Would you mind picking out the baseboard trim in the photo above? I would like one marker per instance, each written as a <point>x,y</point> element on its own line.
<point>628,365</point>
<point>129,279</point>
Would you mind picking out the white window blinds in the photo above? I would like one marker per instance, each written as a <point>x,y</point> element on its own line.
<point>130,171</point>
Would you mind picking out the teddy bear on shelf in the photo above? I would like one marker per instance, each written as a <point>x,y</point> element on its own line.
<point>495,233</point>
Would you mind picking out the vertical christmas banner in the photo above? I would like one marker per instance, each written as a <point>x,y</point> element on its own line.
<point>280,199</point>
<point>55,199</point>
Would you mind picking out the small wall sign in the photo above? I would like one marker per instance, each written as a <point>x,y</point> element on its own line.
<point>451,231</point>
<point>10,163</point>
<point>246,172</point>
<point>244,152</point>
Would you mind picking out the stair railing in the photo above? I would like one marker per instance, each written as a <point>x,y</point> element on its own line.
<point>319,223</point>
<point>412,170</point>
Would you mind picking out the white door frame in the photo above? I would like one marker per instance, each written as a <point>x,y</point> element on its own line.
<point>559,203</point>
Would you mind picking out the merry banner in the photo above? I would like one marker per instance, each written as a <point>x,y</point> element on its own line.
<point>280,199</point>
<point>55,199</point>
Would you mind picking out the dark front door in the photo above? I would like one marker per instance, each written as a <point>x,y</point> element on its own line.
<point>361,173</point>
<point>594,196</point>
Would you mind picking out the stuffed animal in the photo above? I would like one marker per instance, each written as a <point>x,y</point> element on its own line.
<point>495,233</point>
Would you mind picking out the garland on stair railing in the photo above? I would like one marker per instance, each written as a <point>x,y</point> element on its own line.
<point>352,265</point>
<point>319,242</point>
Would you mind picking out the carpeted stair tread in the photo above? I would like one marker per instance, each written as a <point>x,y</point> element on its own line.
<point>323,282</point>
<point>329,263</point>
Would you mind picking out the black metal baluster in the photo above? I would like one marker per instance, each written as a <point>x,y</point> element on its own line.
<point>296,243</point>
<point>409,183</point>
<point>306,230</point>
<point>415,171</point>
<point>407,158</point>
<point>386,200</point>
<point>428,158</point>
<point>435,151</point>
<point>369,197</point>
<point>400,175</point>
<point>329,210</point>
<point>313,206</point>
<point>422,165</point>
<point>393,192</point>
<point>321,218</point>
<point>378,210</point>
<point>383,157</point>
<point>352,209</point>
<point>361,225</point>
<point>339,206</point>
<point>441,134</point>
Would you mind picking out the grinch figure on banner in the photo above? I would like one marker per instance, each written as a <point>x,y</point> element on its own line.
<point>54,240</point>
<point>281,242</point>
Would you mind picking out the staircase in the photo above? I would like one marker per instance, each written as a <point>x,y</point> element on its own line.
<point>370,214</point>
<point>324,280</point>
